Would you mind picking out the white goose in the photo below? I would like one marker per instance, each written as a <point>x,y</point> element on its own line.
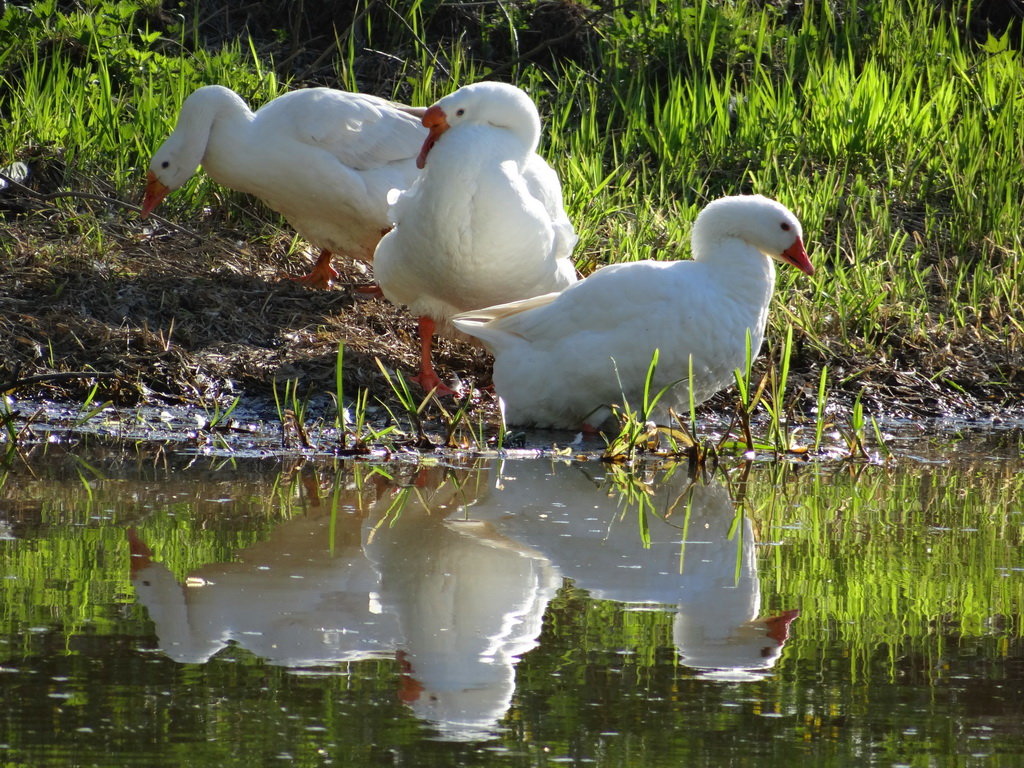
<point>483,224</point>
<point>324,159</point>
<point>562,359</point>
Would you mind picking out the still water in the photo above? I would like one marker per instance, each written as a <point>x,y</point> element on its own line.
<point>160,608</point>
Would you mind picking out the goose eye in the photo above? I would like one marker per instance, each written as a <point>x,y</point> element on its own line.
<point>460,112</point>
<point>165,164</point>
<point>785,226</point>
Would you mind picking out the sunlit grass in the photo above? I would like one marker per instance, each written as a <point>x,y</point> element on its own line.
<point>904,176</point>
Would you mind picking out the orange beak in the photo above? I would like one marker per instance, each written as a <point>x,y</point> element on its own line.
<point>155,192</point>
<point>797,256</point>
<point>436,120</point>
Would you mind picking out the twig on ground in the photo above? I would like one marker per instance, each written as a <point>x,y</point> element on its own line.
<point>49,378</point>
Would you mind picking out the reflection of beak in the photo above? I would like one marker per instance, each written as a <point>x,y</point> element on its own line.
<point>778,626</point>
<point>140,553</point>
<point>409,688</point>
<point>436,120</point>
<point>797,256</point>
<point>155,192</point>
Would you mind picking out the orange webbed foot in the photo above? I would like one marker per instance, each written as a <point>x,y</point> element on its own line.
<point>322,275</point>
<point>432,382</point>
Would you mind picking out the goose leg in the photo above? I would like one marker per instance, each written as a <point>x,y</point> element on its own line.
<point>428,378</point>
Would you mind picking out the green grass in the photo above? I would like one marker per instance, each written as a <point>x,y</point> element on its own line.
<point>892,133</point>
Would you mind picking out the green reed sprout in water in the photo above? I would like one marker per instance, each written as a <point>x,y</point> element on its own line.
<point>451,420</point>
<point>87,412</point>
<point>7,422</point>
<point>683,438</point>
<point>853,434</point>
<point>10,435</point>
<point>362,433</point>
<point>218,416</point>
<point>339,389</point>
<point>748,398</point>
<point>635,431</point>
<point>819,415</point>
<point>354,434</point>
<point>775,401</point>
<point>883,446</point>
<point>291,413</point>
<point>413,409</point>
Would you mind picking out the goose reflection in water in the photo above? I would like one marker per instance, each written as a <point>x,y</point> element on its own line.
<point>701,557</point>
<point>301,598</point>
<point>469,602</point>
<point>455,602</point>
<point>452,573</point>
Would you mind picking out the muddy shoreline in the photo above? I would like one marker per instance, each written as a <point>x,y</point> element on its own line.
<point>197,316</point>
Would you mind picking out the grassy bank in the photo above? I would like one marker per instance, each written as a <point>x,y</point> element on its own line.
<point>890,127</point>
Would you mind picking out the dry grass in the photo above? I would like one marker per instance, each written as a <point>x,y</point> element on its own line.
<point>185,315</point>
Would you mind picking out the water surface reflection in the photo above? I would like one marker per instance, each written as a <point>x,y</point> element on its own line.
<point>170,610</point>
<point>451,571</point>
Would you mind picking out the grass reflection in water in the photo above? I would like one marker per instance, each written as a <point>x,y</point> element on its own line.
<point>546,608</point>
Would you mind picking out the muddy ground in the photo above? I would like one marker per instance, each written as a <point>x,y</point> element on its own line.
<point>163,314</point>
<point>199,311</point>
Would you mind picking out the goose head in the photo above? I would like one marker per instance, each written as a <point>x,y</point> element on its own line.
<point>760,222</point>
<point>491,103</point>
<point>179,156</point>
